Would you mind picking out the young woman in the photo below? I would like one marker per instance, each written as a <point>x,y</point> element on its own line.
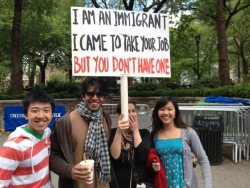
<point>175,143</point>
<point>129,143</point>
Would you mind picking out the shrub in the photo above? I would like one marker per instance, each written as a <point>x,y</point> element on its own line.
<point>58,76</point>
<point>206,82</point>
<point>60,89</point>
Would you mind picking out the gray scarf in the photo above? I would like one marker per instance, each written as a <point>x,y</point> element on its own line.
<point>96,143</point>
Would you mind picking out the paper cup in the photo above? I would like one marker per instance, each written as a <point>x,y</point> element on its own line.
<point>89,163</point>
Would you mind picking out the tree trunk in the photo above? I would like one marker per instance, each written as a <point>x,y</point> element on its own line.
<point>238,68</point>
<point>16,63</point>
<point>42,72</point>
<point>69,68</point>
<point>222,45</point>
<point>224,75</point>
<point>244,60</point>
<point>43,68</point>
<point>244,68</point>
<point>32,74</point>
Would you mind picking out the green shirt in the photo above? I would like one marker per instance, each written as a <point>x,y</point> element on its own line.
<point>34,133</point>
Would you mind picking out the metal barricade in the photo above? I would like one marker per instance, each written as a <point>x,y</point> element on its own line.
<point>143,114</point>
<point>236,125</point>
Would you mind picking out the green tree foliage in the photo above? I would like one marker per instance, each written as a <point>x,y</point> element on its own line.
<point>6,15</point>
<point>44,37</point>
<point>222,12</point>
<point>4,75</point>
<point>5,29</point>
<point>183,50</point>
<point>239,45</point>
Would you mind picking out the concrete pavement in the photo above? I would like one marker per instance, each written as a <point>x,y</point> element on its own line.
<point>228,174</point>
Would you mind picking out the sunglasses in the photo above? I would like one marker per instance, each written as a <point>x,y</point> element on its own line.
<point>92,94</point>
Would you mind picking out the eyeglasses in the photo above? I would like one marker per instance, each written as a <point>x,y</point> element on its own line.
<point>92,94</point>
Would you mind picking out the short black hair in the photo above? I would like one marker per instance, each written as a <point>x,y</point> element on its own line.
<point>37,95</point>
<point>97,82</point>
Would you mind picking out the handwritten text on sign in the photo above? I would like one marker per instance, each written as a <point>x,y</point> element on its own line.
<point>115,43</point>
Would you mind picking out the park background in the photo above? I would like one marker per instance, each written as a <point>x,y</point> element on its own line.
<point>210,54</point>
<point>209,40</point>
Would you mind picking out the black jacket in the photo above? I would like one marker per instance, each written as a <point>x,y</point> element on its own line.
<point>122,166</point>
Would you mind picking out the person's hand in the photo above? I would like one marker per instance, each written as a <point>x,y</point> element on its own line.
<point>195,161</point>
<point>122,124</point>
<point>133,123</point>
<point>156,166</point>
<point>80,173</point>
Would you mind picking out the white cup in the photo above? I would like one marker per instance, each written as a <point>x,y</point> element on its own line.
<point>89,163</point>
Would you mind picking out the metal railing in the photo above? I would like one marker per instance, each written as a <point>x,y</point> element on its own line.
<point>236,122</point>
<point>143,113</point>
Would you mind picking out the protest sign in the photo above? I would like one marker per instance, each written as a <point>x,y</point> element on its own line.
<point>119,43</point>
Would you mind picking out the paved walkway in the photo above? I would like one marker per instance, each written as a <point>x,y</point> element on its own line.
<point>228,174</point>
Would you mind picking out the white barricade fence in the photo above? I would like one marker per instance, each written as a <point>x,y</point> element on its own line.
<point>143,113</point>
<point>236,122</point>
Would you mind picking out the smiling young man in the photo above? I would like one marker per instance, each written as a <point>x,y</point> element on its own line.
<point>24,157</point>
<point>84,130</point>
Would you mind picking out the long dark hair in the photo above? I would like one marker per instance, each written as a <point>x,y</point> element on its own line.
<point>157,123</point>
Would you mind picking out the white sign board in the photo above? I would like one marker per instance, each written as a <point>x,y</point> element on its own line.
<point>119,43</point>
